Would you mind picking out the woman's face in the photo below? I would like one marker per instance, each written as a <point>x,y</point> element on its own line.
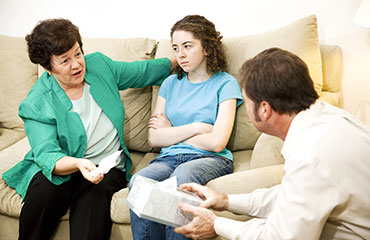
<point>189,52</point>
<point>69,68</point>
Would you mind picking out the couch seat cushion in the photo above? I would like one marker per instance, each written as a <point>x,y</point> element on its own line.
<point>10,201</point>
<point>10,136</point>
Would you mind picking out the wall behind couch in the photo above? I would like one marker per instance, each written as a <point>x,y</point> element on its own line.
<point>153,19</point>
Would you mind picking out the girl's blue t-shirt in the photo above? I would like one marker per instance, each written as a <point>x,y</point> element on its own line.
<point>188,102</point>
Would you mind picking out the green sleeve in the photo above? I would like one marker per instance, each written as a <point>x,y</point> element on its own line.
<point>141,73</point>
<point>42,136</point>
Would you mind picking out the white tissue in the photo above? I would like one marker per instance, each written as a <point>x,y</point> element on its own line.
<point>159,201</point>
<point>106,164</point>
<point>170,183</point>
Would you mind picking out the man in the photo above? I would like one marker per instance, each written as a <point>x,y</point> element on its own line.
<point>325,191</point>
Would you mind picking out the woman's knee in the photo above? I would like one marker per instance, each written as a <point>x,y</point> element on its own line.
<point>42,192</point>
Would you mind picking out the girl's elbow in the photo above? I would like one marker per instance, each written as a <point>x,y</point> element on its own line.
<point>152,143</point>
<point>156,142</point>
<point>219,146</point>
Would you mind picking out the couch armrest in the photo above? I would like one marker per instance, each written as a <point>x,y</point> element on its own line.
<point>245,182</point>
<point>267,151</point>
<point>332,70</point>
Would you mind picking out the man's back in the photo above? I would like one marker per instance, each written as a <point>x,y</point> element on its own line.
<point>335,148</point>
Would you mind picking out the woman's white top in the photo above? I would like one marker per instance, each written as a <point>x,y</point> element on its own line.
<point>102,137</point>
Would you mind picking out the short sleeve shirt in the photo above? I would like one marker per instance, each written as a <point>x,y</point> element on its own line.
<point>188,102</point>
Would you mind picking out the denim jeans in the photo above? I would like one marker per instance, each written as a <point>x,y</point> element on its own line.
<point>187,168</point>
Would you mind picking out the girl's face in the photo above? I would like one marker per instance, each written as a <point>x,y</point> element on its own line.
<point>189,52</point>
<point>69,68</point>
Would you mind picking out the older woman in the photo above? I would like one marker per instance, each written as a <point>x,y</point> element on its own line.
<point>73,117</point>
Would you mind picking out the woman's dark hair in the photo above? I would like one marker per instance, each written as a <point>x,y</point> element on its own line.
<point>51,37</point>
<point>280,78</point>
<point>205,31</point>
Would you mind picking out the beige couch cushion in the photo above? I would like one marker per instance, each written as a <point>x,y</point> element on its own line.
<point>10,136</point>
<point>334,98</point>
<point>267,151</point>
<point>246,182</point>
<point>10,201</point>
<point>18,75</point>
<point>299,37</point>
<point>332,69</point>
<point>129,49</point>
<point>244,134</point>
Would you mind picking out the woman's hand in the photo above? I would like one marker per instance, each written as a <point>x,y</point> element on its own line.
<point>86,166</point>
<point>159,121</point>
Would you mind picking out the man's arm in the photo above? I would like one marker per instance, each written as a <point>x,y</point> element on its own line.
<point>258,203</point>
<point>303,203</point>
<point>203,224</point>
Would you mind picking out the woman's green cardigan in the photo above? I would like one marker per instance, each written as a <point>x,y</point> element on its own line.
<point>54,131</point>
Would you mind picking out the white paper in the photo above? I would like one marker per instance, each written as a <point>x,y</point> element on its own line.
<point>106,164</point>
<point>170,183</point>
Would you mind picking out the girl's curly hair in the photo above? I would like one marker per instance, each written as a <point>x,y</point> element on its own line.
<point>205,31</point>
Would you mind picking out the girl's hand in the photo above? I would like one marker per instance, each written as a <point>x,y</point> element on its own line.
<point>159,121</point>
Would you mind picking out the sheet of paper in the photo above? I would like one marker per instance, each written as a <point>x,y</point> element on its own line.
<point>170,183</point>
<point>107,163</point>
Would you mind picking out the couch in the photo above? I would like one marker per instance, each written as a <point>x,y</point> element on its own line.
<point>257,160</point>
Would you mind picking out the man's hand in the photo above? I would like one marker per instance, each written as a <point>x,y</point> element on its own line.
<point>202,225</point>
<point>86,166</point>
<point>212,199</point>
<point>159,121</point>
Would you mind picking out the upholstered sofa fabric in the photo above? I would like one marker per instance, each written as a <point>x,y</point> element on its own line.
<point>332,68</point>
<point>257,159</point>
<point>18,75</point>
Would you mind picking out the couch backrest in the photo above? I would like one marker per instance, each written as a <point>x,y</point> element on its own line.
<point>17,76</point>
